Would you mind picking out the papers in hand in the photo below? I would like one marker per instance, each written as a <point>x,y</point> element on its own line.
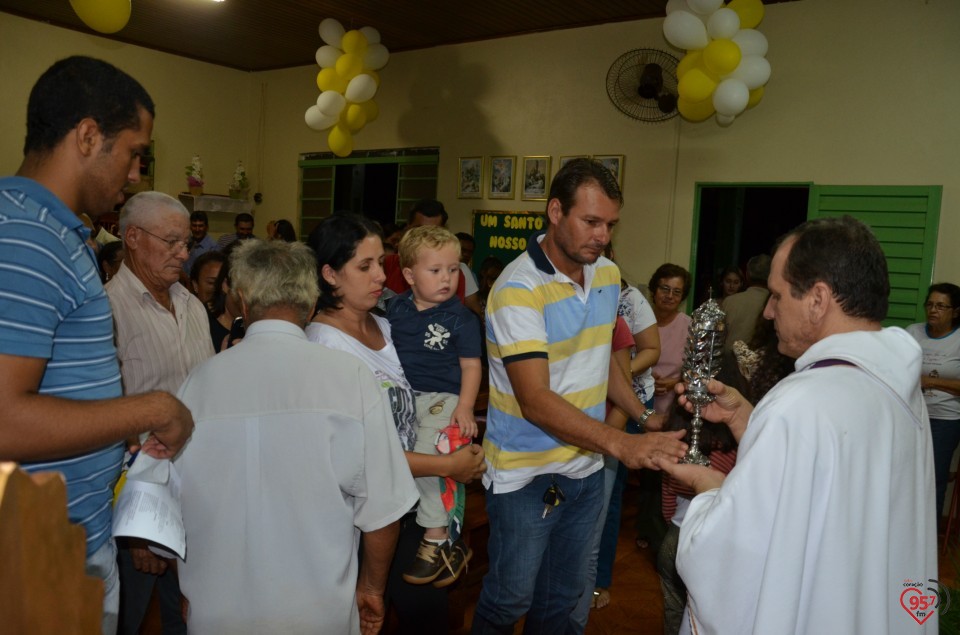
<point>149,506</point>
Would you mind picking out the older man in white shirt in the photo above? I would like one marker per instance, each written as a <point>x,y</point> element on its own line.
<point>294,458</point>
<point>162,332</point>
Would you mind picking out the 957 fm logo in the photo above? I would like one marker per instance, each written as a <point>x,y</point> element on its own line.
<point>920,601</point>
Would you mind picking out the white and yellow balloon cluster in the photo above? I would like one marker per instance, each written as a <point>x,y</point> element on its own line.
<point>725,68</point>
<point>348,80</point>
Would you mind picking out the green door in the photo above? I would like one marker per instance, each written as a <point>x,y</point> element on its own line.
<point>905,220</point>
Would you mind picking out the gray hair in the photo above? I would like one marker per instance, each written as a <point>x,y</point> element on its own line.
<point>140,208</point>
<point>274,273</point>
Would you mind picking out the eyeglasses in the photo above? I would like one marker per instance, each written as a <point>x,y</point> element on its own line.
<point>664,289</point>
<point>937,306</point>
<point>174,245</point>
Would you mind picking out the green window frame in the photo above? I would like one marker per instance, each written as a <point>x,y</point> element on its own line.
<point>417,173</point>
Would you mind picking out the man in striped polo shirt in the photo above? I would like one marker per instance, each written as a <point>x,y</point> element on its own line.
<point>550,320</point>
<point>87,125</point>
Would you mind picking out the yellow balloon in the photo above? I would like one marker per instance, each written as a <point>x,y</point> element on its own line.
<point>340,140</point>
<point>750,12</point>
<point>375,75</point>
<point>755,96</point>
<point>349,66</point>
<point>354,42</point>
<point>696,86</point>
<point>690,61</point>
<point>105,16</point>
<point>328,79</point>
<point>372,110</point>
<point>355,117</point>
<point>696,110</point>
<point>721,57</point>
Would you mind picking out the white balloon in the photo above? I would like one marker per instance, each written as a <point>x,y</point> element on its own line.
<point>731,97</point>
<point>751,42</point>
<point>330,102</point>
<point>376,57</point>
<point>704,7</point>
<point>361,88</point>
<point>372,35</point>
<point>317,120</point>
<point>725,120</point>
<point>753,70</point>
<point>331,32</point>
<point>723,24</point>
<point>327,56</point>
<point>685,31</point>
<point>677,5</point>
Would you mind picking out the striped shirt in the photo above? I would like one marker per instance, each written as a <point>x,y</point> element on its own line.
<point>156,349</point>
<point>53,307</point>
<point>536,311</point>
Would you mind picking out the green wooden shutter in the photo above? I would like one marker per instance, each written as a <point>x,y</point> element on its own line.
<point>905,220</point>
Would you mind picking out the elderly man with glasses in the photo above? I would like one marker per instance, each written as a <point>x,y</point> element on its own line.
<point>162,332</point>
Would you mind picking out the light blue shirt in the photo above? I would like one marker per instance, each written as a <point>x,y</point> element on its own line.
<point>53,307</point>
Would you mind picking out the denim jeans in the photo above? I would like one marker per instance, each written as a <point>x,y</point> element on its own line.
<point>581,614</point>
<point>946,437</point>
<point>102,564</point>
<point>538,565</point>
<point>610,531</point>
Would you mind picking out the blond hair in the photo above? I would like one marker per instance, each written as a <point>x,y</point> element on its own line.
<point>424,237</point>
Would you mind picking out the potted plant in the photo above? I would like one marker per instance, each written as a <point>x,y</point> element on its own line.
<point>240,185</point>
<point>194,173</point>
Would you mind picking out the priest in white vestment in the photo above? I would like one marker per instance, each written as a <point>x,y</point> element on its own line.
<point>826,524</point>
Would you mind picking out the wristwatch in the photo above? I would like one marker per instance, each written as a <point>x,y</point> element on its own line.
<point>643,418</point>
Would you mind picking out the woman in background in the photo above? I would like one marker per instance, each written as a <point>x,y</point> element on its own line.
<point>204,275</point>
<point>940,377</point>
<point>283,230</point>
<point>223,307</point>
<point>109,258</point>
<point>731,281</point>
<point>669,286</point>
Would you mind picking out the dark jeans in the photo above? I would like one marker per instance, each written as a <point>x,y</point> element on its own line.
<point>611,526</point>
<point>538,565</point>
<point>946,437</point>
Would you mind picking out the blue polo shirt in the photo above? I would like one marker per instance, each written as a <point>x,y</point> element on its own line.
<point>53,307</point>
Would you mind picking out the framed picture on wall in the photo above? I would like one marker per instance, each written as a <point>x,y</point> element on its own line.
<point>614,163</point>
<point>471,176</point>
<point>502,171</point>
<point>534,178</point>
<point>567,158</point>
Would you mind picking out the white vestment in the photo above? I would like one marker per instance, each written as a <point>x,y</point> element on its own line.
<point>294,450</point>
<point>829,510</point>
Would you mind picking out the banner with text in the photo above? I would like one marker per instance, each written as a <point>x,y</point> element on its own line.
<point>504,234</point>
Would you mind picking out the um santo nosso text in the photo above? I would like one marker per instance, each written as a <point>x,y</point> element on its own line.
<point>509,221</point>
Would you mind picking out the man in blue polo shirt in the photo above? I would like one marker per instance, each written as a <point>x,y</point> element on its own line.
<point>87,125</point>
<point>550,320</point>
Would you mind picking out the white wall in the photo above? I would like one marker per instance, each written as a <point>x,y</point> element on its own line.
<point>201,108</point>
<point>862,92</point>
